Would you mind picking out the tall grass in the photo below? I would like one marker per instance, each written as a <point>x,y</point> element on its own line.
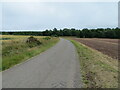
<point>16,50</point>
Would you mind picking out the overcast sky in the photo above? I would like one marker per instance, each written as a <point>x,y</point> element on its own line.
<point>47,15</point>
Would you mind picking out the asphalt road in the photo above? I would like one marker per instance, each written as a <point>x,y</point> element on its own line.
<point>57,67</point>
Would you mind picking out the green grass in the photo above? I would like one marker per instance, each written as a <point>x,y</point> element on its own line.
<point>5,38</point>
<point>98,70</point>
<point>17,51</point>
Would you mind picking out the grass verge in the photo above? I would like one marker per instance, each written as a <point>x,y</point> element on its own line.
<point>98,70</point>
<point>17,51</point>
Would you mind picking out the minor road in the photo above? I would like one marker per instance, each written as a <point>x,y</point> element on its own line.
<point>57,67</point>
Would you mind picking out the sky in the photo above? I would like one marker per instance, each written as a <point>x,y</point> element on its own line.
<point>48,15</point>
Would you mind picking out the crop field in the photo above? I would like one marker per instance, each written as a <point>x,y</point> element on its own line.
<point>15,48</point>
<point>8,38</point>
<point>106,46</point>
<point>98,70</point>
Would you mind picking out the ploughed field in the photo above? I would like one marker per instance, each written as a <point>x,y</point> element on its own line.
<point>106,46</point>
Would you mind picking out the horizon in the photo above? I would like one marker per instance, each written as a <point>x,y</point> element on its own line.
<point>52,29</point>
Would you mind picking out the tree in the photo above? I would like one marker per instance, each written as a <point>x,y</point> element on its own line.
<point>84,33</point>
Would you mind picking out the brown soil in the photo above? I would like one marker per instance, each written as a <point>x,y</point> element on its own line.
<point>106,46</point>
<point>113,41</point>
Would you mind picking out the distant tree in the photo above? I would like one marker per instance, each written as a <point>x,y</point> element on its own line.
<point>84,33</point>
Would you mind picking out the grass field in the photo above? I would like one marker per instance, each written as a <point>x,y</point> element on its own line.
<point>15,49</point>
<point>98,70</point>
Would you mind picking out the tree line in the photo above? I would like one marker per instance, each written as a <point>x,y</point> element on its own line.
<point>84,33</point>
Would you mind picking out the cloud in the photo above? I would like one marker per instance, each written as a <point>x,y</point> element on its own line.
<point>0,16</point>
<point>47,15</point>
<point>59,0</point>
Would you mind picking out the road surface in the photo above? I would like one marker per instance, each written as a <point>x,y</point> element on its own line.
<point>57,67</point>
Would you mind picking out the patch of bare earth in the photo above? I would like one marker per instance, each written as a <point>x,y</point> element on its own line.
<point>106,46</point>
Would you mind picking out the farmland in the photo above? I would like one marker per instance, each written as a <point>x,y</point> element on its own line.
<point>98,70</point>
<point>97,57</point>
<point>106,46</point>
<point>15,49</point>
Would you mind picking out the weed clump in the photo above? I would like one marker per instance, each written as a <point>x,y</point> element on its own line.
<point>32,42</point>
<point>47,38</point>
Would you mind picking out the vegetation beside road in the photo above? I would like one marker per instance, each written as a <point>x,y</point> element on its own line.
<point>98,70</point>
<point>16,49</point>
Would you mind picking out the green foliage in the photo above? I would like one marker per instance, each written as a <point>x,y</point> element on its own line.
<point>84,33</point>
<point>5,38</point>
<point>54,35</point>
<point>47,38</point>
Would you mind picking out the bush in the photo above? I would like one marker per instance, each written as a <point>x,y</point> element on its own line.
<point>47,38</point>
<point>32,42</point>
<point>55,35</point>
